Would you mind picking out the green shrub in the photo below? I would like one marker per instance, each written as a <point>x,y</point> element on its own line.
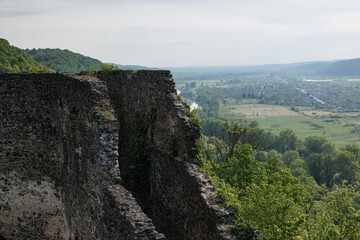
<point>90,71</point>
<point>107,69</point>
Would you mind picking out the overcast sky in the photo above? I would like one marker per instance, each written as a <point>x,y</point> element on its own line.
<point>167,33</point>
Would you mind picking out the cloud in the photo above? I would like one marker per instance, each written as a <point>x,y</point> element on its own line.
<point>158,33</point>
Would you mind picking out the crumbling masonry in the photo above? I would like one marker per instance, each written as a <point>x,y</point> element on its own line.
<point>65,139</point>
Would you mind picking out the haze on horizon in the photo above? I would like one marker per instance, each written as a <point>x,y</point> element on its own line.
<point>162,33</point>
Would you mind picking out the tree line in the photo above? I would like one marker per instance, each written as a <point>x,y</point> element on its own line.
<point>280,187</point>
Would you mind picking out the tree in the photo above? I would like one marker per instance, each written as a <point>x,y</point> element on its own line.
<point>289,156</point>
<point>315,144</point>
<point>253,136</point>
<point>272,204</point>
<point>353,148</point>
<point>16,60</point>
<point>321,167</point>
<point>346,167</point>
<point>63,60</point>
<point>268,142</point>
<point>209,105</point>
<point>335,217</point>
<point>213,150</point>
<point>273,153</point>
<point>214,127</point>
<point>286,141</point>
<point>234,132</point>
<point>298,163</point>
<point>241,169</point>
<point>264,196</point>
<point>261,156</point>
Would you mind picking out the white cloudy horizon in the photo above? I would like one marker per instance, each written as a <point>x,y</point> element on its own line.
<point>159,33</point>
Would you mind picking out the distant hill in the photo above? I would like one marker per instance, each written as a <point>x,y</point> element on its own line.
<point>339,68</point>
<point>349,67</point>
<point>304,68</point>
<point>63,60</point>
<point>132,67</point>
<point>293,68</point>
<point>15,60</point>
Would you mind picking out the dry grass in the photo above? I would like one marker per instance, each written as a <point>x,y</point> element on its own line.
<point>260,110</point>
<point>87,78</point>
<point>108,114</point>
<point>316,113</point>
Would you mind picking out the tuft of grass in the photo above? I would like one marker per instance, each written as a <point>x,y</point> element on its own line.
<point>108,69</point>
<point>108,114</point>
<point>90,71</point>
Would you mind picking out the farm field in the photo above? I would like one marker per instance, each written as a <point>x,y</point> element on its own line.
<point>260,110</point>
<point>201,83</point>
<point>340,128</point>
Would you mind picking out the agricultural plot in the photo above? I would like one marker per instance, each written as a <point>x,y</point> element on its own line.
<point>340,128</point>
<point>260,110</point>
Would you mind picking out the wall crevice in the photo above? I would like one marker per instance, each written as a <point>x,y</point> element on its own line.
<point>155,152</point>
<point>64,139</point>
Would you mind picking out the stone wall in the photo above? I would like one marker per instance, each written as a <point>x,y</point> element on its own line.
<point>61,147</point>
<point>58,160</point>
<point>157,143</point>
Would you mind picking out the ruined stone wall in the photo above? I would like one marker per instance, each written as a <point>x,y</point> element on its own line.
<point>59,170</point>
<point>61,147</point>
<point>157,143</point>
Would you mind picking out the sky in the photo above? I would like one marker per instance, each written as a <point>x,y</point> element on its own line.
<point>168,33</point>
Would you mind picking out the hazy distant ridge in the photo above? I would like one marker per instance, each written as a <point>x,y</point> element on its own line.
<point>344,68</point>
<point>349,67</point>
<point>133,67</point>
<point>16,60</point>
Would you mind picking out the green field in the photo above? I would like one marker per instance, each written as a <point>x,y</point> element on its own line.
<point>340,129</point>
<point>202,83</point>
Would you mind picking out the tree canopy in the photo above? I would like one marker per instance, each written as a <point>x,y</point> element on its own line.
<point>64,60</point>
<point>16,60</point>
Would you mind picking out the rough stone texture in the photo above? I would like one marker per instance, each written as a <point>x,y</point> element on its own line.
<point>58,155</point>
<point>61,147</point>
<point>127,217</point>
<point>156,142</point>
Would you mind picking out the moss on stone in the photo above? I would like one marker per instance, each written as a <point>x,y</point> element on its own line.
<point>191,115</point>
<point>191,144</point>
<point>108,114</point>
<point>120,116</point>
<point>171,145</point>
<point>144,125</point>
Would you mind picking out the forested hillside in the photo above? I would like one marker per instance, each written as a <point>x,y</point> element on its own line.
<point>349,67</point>
<point>63,60</point>
<point>16,60</point>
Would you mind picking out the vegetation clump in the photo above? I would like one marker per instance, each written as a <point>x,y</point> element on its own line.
<point>108,114</point>
<point>269,202</point>
<point>171,146</point>
<point>191,115</point>
<point>90,71</point>
<point>304,189</point>
<point>108,68</point>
